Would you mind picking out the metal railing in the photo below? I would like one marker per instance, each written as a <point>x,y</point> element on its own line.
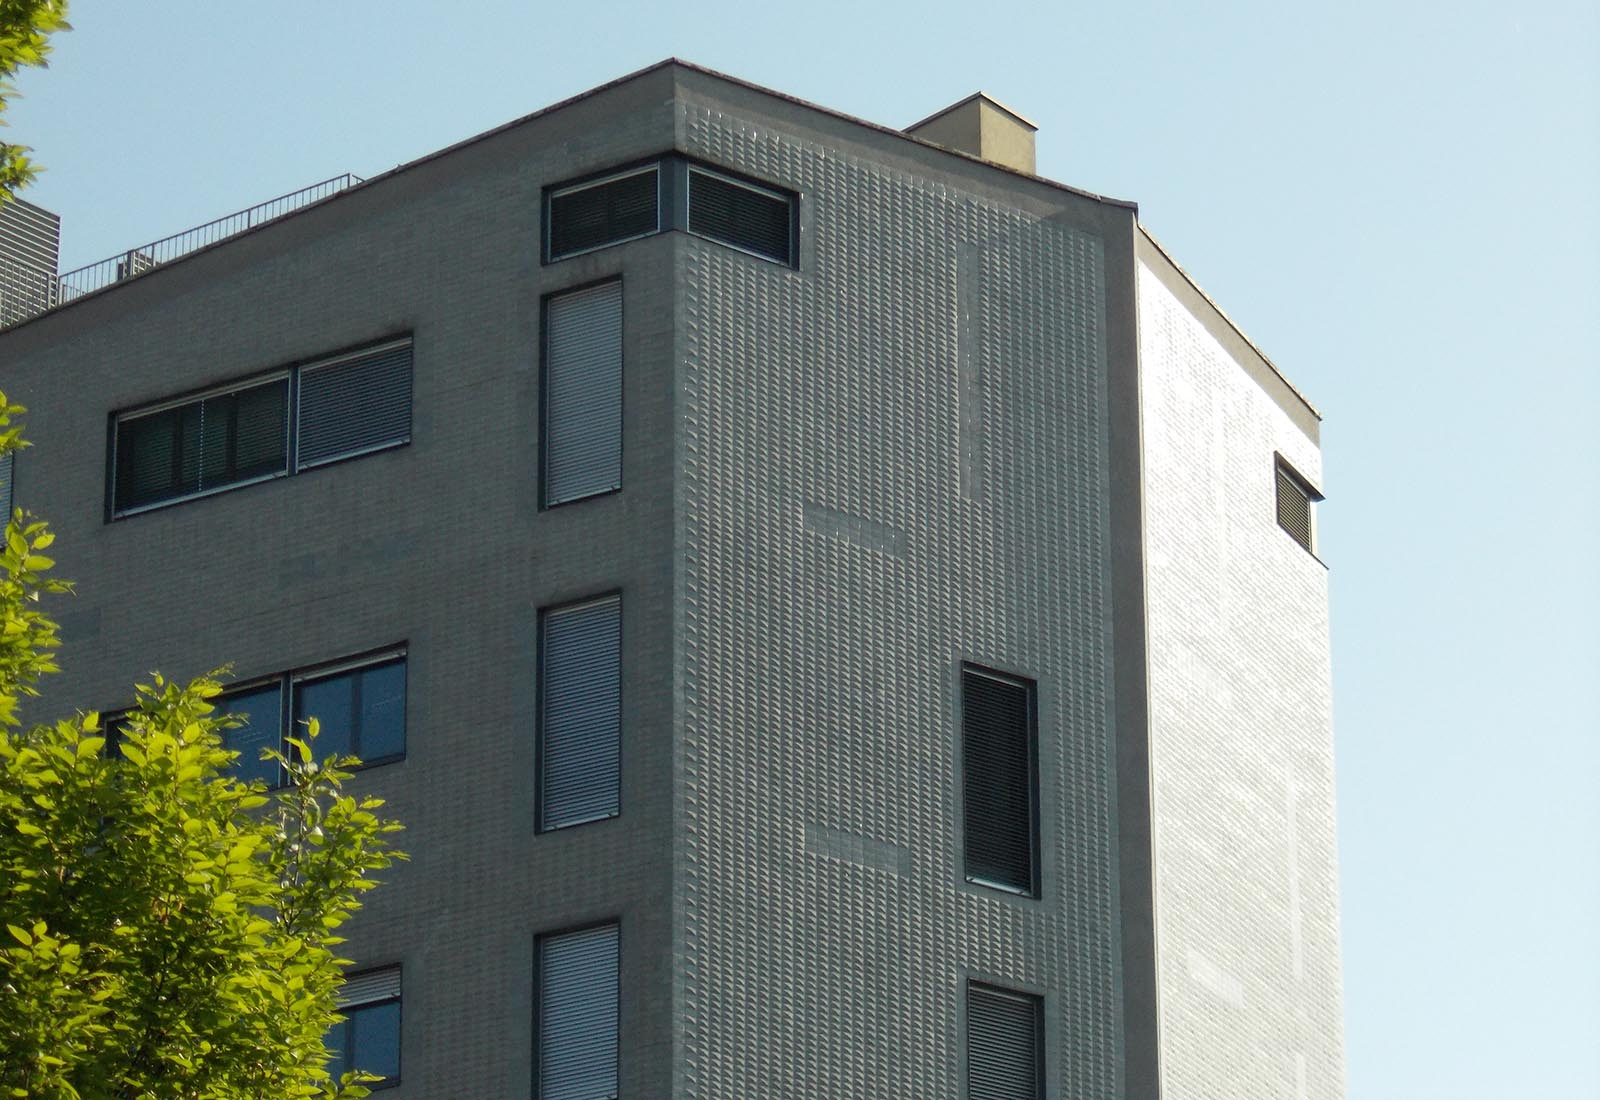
<point>92,277</point>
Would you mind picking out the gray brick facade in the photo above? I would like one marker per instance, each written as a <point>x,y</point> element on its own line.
<point>921,445</point>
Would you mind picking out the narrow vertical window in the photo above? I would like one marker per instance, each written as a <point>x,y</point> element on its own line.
<point>577,1015</point>
<point>368,1038</point>
<point>1005,1044</point>
<point>999,780</point>
<point>1295,498</point>
<point>580,713</point>
<point>8,467</point>
<point>582,433</point>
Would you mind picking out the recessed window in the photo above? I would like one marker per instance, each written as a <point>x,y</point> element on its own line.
<point>368,1038</point>
<point>999,749</point>
<point>580,713</point>
<point>1295,500</point>
<point>342,406</point>
<point>8,469</point>
<point>1005,1044</point>
<point>582,422</point>
<point>602,212</point>
<point>360,707</point>
<point>576,1020</point>
<point>742,215</point>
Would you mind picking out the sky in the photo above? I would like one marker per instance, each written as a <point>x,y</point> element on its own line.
<point>1397,201</point>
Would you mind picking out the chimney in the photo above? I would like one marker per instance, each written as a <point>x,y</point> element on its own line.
<point>982,126</point>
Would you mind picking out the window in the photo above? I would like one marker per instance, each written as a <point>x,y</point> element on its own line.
<point>741,215</point>
<point>580,713</point>
<point>1295,498</point>
<point>671,193</point>
<point>8,468</point>
<point>999,780</point>
<point>360,707</point>
<point>342,406</point>
<point>368,1038</point>
<point>577,1015</point>
<point>587,216</point>
<point>582,426</point>
<point>1005,1044</point>
<point>360,711</point>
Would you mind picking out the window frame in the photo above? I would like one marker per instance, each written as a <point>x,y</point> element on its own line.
<point>610,175</point>
<point>790,200</point>
<point>540,825</point>
<point>1283,468</point>
<point>292,466</point>
<point>545,504</point>
<point>1040,1031</point>
<point>376,659</point>
<point>1034,890</point>
<point>539,940</point>
<point>398,999</point>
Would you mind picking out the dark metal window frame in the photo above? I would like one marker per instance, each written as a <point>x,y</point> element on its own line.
<point>289,682</point>
<point>672,203</point>
<point>539,825</point>
<point>544,390</point>
<point>347,1024</point>
<point>1283,467</point>
<point>539,941</point>
<point>292,466</point>
<point>1034,888</point>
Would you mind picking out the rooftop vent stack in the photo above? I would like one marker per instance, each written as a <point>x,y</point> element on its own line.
<point>983,127</point>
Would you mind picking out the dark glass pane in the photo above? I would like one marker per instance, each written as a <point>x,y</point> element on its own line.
<point>375,1039</point>
<point>263,708</point>
<point>331,703</point>
<point>337,1040</point>
<point>216,431</point>
<point>601,213</point>
<point>383,711</point>
<point>150,456</point>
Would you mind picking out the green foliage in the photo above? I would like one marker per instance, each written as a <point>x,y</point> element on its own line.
<point>25,30</point>
<point>165,931</point>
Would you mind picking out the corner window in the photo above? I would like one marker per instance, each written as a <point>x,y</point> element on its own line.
<point>673,192</point>
<point>1295,500</point>
<point>576,1020</point>
<point>1000,792</point>
<point>368,1038</point>
<point>1005,1044</point>
<point>580,713</point>
<point>341,406</point>
<point>581,433</point>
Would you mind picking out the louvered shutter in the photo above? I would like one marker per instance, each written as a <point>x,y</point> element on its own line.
<point>608,211</point>
<point>1294,507</point>
<point>997,735</point>
<point>374,985</point>
<point>578,1015</point>
<point>355,404</point>
<point>1003,1044</point>
<point>741,215</point>
<point>153,453</point>
<point>583,393</point>
<point>580,715</point>
<point>8,466</point>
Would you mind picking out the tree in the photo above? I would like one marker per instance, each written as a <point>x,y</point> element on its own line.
<point>25,30</point>
<point>166,931</point>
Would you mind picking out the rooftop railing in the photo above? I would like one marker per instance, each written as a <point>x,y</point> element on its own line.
<point>95,276</point>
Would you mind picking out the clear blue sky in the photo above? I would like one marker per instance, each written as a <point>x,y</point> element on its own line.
<point>1398,201</point>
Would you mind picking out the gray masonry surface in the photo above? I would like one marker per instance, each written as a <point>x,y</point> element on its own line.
<point>921,446</point>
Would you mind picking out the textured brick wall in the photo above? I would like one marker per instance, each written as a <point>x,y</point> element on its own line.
<point>1241,737</point>
<point>891,460</point>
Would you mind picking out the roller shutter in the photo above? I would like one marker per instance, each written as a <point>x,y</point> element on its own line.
<point>580,713</point>
<point>609,211</point>
<point>997,737</point>
<point>741,215</point>
<point>355,404</point>
<point>8,466</point>
<point>1294,506</point>
<point>583,394</point>
<point>578,1015</point>
<point>1004,1041</point>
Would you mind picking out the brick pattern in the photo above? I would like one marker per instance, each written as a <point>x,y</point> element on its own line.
<point>1241,734</point>
<point>819,660</point>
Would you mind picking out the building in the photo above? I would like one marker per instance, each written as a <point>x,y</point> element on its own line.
<point>836,613</point>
